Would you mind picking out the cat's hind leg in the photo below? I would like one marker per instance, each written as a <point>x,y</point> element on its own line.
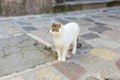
<point>64,53</point>
<point>59,55</point>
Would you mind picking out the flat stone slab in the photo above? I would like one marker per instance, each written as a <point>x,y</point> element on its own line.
<point>108,20</point>
<point>29,28</point>
<point>108,73</point>
<point>46,73</point>
<point>108,43</point>
<point>88,19</point>
<point>89,36</point>
<point>73,72</point>
<point>113,34</point>
<point>61,20</point>
<point>23,23</point>
<point>104,53</point>
<point>92,78</point>
<point>99,28</point>
<point>71,18</point>
<point>8,29</point>
<point>21,52</point>
<point>118,64</point>
<point>99,24</point>
<point>18,78</point>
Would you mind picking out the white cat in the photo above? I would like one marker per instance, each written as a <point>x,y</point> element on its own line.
<point>65,37</point>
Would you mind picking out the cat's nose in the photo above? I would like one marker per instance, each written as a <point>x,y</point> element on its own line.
<point>50,31</point>
<point>53,30</point>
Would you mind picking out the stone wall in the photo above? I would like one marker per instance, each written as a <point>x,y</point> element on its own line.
<point>24,7</point>
<point>84,4</point>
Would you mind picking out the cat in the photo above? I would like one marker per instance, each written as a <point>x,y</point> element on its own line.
<point>64,37</point>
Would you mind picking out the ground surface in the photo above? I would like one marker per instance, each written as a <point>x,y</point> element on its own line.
<point>97,59</point>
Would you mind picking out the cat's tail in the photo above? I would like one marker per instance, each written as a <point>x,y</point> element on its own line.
<point>78,43</point>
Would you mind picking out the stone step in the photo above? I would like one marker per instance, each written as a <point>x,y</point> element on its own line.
<point>84,4</point>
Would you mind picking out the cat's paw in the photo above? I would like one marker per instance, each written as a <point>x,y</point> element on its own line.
<point>63,60</point>
<point>73,52</point>
<point>59,59</point>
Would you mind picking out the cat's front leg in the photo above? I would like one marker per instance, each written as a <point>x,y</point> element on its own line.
<point>59,55</point>
<point>64,55</point>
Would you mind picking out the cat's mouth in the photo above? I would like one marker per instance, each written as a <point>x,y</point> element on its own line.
<point>50,31</point>
<point>53,33</point>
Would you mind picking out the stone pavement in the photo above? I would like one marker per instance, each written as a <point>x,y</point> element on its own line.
<point>23,58</point>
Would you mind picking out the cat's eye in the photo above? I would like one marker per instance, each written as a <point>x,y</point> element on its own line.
<point>53,30</point>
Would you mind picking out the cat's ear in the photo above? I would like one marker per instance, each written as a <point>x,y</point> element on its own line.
<point>59,24</point>
<point>53,22</point>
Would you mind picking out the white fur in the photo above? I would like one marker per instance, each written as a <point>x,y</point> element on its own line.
<point>66,37</point>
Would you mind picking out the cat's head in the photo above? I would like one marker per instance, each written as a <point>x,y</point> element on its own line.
<point>55,28</point>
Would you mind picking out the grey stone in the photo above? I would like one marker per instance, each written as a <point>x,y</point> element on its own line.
<point>99,29</point>
<point>116,13</point>
<point>105,10</point>
<point>108,79</point>
<point>6,20</point>
<point>88,19</point>
<point>20,53</point>
<point>47,37</point>
<point>99,24</point>
<point>92,78</point>
<point>30,75</point>
<point>29,28</point>
<point>89,36</point>
<point>96,16</point>
<point>83,45</point>
<point>63,21</point>
<point>31,17</point>
<point>50,15</point>
<point>111,16</point>
<point>75,13</point>
<point>23,23</point>
<point>4,34</point>
<point>114,16</point>
<point>2,52</point>
<point>71,18</point>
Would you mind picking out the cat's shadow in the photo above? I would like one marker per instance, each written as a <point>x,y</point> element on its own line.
<point>82,49</point>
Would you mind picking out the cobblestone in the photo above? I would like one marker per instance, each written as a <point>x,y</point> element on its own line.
<point>92,78</point>
<point>61,20</point>
<point>71,70</point>
<point>18,78</point>
<point>99,29</point>
<point>113,34</point>
<point>47,74</point>
<point>29,28</point>
<point>105,53</point>
<point>89,36</point>
<point>118,64</point>
<point>108,43</point>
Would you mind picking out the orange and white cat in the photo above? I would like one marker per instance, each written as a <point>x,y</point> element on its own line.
<point>65,36</point>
